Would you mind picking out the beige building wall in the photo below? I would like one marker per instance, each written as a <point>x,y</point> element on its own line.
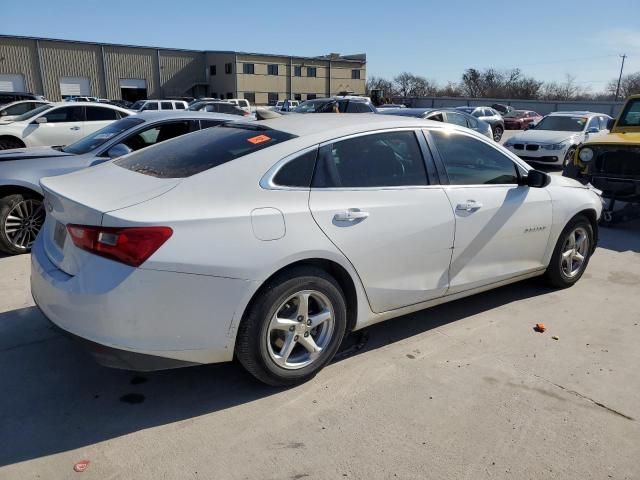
<point>20,57</point>
<point>131,63</point>
<point>221,83</point>
<point>180,71</point>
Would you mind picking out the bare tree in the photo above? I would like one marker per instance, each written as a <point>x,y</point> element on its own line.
<point>379,83</point>
<point>629,85</point>
<point>404,83</point>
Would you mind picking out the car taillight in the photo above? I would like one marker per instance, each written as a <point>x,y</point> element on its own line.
<point>129,245</point>
<point>246,114</point>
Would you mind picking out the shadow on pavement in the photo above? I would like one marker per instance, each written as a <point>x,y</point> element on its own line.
<point>57,399</point>
<point>622,237</point>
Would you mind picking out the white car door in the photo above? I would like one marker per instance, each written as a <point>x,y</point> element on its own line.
<point>502,229</point>
<point>61,126</point>
<point>371,197</point>
<point>98,117</point>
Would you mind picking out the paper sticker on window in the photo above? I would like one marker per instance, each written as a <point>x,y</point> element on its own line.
<point>258,139</point>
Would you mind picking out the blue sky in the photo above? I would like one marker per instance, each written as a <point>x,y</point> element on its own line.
<point>437,39</point>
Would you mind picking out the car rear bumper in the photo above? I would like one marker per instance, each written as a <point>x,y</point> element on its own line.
<point>139,319</point>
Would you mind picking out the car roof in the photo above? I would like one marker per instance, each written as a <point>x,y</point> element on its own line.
<point>577,112</point>
<point>30,100</point>
<point>149,116</point>
<point>407,111</point>
<point>93,104</point>
<point>330,125</point>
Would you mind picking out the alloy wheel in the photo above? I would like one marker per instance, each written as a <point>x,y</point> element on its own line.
<point>23,223</point>
<point>300,330</point>
<point>574,252</point>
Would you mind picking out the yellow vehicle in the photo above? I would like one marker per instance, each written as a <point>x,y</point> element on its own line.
<point>611,163</point>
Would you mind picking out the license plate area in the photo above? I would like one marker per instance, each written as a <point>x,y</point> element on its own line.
<point>59,234</point>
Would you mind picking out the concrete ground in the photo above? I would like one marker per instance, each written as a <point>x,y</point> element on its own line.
<point>462,391</point>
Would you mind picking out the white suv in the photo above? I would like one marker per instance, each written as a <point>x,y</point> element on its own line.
<point>58,124</point>
<point>243,103</point>
<point>149,105</point>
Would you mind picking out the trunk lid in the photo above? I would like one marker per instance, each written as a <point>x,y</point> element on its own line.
<point>83,198</point>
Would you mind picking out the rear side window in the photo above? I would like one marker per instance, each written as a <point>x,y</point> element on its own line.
<point>469,161</point>
<point>65,114</point>
<point>379,160</point>
<point>179,106</point>
<point>97,114</point>
<point>358,107</point>
<point>191,154</point>
<point>297,172</point>
<point>166,106</point>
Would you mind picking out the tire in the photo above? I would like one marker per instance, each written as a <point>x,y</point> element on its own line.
<point>21,217</point>
<point>568,156</point>
<point>260,344</point>
<point>563,272</point>
<point>497,133</point>
<point>7,143</point>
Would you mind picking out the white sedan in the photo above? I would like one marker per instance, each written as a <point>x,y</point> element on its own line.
<point>58,124</point>
<point>11,111</point>
<point>270,241</point>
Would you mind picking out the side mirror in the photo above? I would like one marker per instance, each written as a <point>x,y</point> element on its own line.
<point>118,150</point>
<point>592,130</point>
<point>41,120</point>
<point>610,123</point>
<point>535,179</point>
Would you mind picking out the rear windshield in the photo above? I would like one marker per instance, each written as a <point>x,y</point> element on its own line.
<point>194,153</point>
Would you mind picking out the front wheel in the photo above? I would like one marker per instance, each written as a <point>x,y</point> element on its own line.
<point>294,328</point>
<point>497,133</point>
<point>21,218</point>
<point>571,254</point>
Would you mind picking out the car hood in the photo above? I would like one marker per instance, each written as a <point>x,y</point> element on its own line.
<point>544,136</point>
<point>31,153</point>
<point>630,138</point>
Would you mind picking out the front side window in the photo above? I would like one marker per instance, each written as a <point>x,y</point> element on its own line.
<point>179,106</point>
<point>478,112</point>
<point>150,106</point>
<point>95,139</point>
<point>456,119</point>
<point>297,172</point>
<point>594,123</point>
<point>631,115</point>
<point>389,159</point>
<point>65,114</point>
<point>358,107</point>
<point>469,161</point>
<point>272,69</point>
<point>248,68</point>
<point>191,154</point>
<point>97,114</point>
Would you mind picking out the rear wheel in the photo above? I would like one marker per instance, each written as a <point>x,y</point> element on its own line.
<point>294,328</point>
<point>571,254</point>
<point>497,133</point>
<point>7,142</point>
<point>21,217</point>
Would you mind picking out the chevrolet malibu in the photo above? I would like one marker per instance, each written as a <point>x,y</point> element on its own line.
<point>270,241</point>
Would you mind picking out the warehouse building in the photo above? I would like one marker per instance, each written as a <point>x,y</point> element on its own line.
<point>61,68</point>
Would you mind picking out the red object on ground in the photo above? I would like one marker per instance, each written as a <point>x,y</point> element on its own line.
<point>81,466</point>
<point>540,327</point>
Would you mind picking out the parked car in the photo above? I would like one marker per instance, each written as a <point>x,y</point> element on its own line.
<point>243,103</point>
<point>150,105</point>
<point>81,99</point>
<point>21,212</point>
<point>501,108</point>
<point>218,106</point>
<point>343,104</point>
<point>10,111</point>
<point>268,242</point>
<point>9,97</point>
<point>122,103</point>
<point>611,163</point>
<point>58,124</point>
<point>554,139</point>
<point>488,115</point>
<point>391,105</point>
<point>443,115</point>
<point>285,105</point>
<point>520,119</point>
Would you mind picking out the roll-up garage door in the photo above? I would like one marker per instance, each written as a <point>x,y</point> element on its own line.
<point>133,83</point>
<point>11,82</point>
<point>74,86</point>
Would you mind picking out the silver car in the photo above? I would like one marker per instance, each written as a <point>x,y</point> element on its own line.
<point>21,212</point>
<point>443,115</point>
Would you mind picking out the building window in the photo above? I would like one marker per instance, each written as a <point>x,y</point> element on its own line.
<point>355,74</point>
<point>248,68</point>
<point>311,96</point>
<point>212,69</point>
<point>311,71</point>
<point>272,69</point>
<point>297,71</point>
<point>228,68</point>
<point>250,96</point>
<point>229,95</point>
<point>297,96</point>
<point>273,98</point>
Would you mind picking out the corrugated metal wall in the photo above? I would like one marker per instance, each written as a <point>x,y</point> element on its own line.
<point>70,60</point>
<point>124,62</point>
<point>19,56</point>
<point>180,71</point>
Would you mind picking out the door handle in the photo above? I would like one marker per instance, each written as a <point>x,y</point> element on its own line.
<point>74,128</point>
<point>468,206</point>
<point>350,215</point>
